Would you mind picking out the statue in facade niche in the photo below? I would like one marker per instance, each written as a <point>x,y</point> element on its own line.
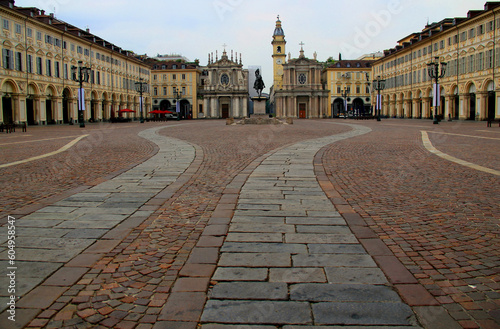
<point>259,83</point>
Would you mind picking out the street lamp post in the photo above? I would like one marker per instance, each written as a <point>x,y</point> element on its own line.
<point>345,93</point>
<point>80,74</point>
<point>436,74</point>
<point>379,85</point>
<point>141,87</point>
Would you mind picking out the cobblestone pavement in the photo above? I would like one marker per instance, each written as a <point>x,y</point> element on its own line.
<point>156,270</point>
<point>439,218</point>
<point>108,149</point>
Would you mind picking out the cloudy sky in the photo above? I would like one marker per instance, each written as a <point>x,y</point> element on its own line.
<point>195,28</point>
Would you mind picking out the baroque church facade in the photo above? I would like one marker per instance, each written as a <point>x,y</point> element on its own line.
<point>224,88</point>
<point>298,89</point>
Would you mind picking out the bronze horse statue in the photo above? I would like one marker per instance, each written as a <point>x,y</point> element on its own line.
<point>259,83</point>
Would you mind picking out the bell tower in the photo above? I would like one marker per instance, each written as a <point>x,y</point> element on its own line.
<point>279,55</point>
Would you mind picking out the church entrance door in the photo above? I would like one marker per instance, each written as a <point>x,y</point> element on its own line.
<point>225,111</point>
<point>302,110</point>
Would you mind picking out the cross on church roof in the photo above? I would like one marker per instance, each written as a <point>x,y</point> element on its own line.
<point>224,45</point>
<point>301,44</point>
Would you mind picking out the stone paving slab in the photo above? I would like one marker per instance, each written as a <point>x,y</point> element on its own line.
<point>306,241</point>
<point>257,312</point>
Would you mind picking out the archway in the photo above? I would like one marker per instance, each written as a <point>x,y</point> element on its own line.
<point>358,106</point>
<point>30,105</point>
<point>65,106</point>
<point>185,109</point>
<point>165,105</point>
<point>7,102</point>
<point>472,102</point>
<point>338,107</point>
<point>490,115</point>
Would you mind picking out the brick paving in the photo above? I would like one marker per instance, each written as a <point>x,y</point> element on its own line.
<point>439,218</point>
<point>87,164</point>
<point>439,254</point>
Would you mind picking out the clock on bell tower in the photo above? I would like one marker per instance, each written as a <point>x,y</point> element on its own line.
<point>279,54</point>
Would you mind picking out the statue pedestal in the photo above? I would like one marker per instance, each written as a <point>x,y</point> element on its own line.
<point>259,106</point>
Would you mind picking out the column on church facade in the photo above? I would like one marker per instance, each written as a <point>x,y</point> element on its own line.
<point>408,108</point>
<point>236,112</point>
<point>450,103</point>
<point>213,104</point>
<point>426,107</point>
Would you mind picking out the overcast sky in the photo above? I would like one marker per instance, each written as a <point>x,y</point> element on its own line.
<point>195,28</point>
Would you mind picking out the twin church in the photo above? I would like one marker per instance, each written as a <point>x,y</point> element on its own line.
<point>297,89</point>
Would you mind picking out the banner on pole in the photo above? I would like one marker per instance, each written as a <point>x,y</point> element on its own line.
<point>379,102</point>
<point>81,99</point>
<point>436,95</point>
<point>178,107</point>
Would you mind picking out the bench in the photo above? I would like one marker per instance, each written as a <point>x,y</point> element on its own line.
<point>490,121</point>
<point>11,127</point>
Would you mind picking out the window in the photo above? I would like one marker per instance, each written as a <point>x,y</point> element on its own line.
<point>174,90</point>
<point>65,46</point>
<point>358,89</point>
<point>155,91</point>
<point>29,32</point>
<point>57,42</point>
<point>39,36</point>
<point>183,77</point>
<point>174,66</point>
<point>154,77</point>
<point>29,64</point>
<point>79,50</point>
<point>441,44</point>
<point>19,61</point>
<point>463,36</point>
<point>436,46</point>
<point>57,69</point>
<point>65,69</point>
<point>183,66</point>
<point>490,26</point>
<point>480,62</point>
<point>463,65</point>
<point>164,90</point>
<point>8,60</point>
<point>472,64</point>
<point>6,24</point>
<point>425,51</point>
<point>174,76</point>
<point>39,69</point>
<point>98,77</point>
<point>480,30</point>
<point>18,28</point>
<point>472,33</point>
<point>339,89</point>
<point>48,39</point>
<point>184,90</point>
<point>72,47</point>
<point>87,52</point>
<point>48,63</point>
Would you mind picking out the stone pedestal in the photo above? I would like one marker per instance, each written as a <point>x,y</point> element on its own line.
<point>259,106</point>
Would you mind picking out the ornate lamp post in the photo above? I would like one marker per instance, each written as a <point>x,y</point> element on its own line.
<point>80,74</point>
<point>379,85</point>
<point>436,74</point>
<point>141,87</point>
<point>345,93</point>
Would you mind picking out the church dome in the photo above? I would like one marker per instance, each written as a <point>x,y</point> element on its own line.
<point>278,30</point>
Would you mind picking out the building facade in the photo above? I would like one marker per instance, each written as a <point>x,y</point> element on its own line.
<point>175,81</point>
<point>38,53</point>
<point>224,88</point>
<point>469,90</point>
<point>349,82</point>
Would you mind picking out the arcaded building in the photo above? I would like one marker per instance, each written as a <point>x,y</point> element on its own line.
<point>38,53</point>
<point>470,87</point>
